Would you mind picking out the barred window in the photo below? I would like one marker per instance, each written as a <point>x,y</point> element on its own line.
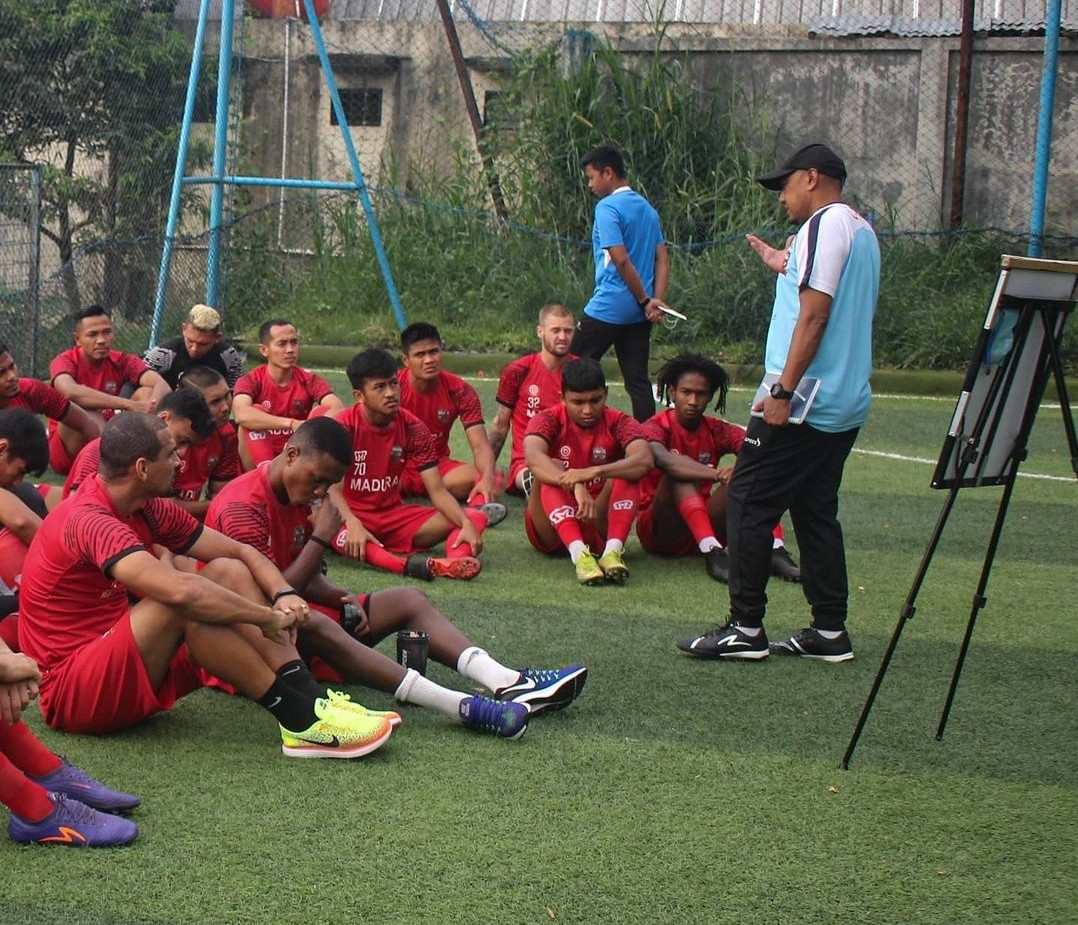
<point>361,105</point>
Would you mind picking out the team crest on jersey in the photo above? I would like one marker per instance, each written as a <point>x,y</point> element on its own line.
<point>110,387</point>
<point>181,466</point>
<point>598,455</point>
<point>299,408</point>
<point>705,458</point>
<point>299,537</point>
<point>211,462</point>
<point>266,405</point>
<point>564,452</point>
<point>444,416</point>
<point>533,389</point>
<point>396,454</point>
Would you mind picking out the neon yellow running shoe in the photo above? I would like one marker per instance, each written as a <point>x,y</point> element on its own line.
<point>342,699</point>
<point>613,566</point>
<point>587,569</point>
<point>338,732</point>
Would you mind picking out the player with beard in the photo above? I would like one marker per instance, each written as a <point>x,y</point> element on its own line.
<point>527,386</point>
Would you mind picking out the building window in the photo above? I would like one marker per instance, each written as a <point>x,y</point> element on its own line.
<point>496,112</point>
<point>361,105</point>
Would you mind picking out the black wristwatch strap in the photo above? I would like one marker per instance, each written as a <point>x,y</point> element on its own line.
<point>284,592</point>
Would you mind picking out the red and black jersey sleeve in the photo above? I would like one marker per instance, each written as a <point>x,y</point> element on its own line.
<point>421,446</point>
<point>466,400</point>
<point>170,525</point>
<point>43,399</point>
<point>509,384</point>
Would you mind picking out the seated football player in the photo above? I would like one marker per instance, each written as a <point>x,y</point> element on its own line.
<point>23,449</point>
<point>438,399</point>
<point>587,459</point>
<point>272,400</point>
<point>123,621</point>
<point>99,379</point>
<point>527,386</point>
<point>270,509</point>
<point>52,802</point>
<point>200,343</point>
<point>187,417</point>
<point>379,528</point>
<point>680,512</point>
<point>214,462</point>
<point>70,427</point>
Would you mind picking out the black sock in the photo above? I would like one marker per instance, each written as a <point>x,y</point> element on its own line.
<point>292,709</point>
<point>298,676</point>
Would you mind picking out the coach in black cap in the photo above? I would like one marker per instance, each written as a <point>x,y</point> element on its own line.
<point>821,330</point>
<point>811,157</point>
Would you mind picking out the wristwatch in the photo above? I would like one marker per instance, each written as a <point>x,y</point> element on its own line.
<point>778,392</point>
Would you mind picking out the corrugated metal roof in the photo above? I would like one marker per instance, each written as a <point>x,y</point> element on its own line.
<point>829,17</point>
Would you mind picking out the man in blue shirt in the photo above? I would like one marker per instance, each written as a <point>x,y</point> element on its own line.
<point>821,327</point>
<point>631,272</point>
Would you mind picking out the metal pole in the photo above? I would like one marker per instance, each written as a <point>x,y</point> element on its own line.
<point>177,175</point>
<point>961,116</point>
<point>468,93</point>
<point>220,148</point>
<point>357,171</point>
<point>1044,128</point>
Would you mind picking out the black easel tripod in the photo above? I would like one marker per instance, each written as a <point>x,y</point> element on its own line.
<point>1028,313</point>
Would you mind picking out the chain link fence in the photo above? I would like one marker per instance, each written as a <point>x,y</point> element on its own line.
<point>469,119</point>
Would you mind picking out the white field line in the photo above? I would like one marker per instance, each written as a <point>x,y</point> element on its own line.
<point>898,457</point>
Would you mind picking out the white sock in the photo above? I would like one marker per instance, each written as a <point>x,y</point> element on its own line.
<point>425,693</point>
<point>777,544</point>
<point>708,543</point>
<point>476,664</point>
<point>576,548</point>
<point>613,546</point>
<point>751,631</point>
<point>830,634</point>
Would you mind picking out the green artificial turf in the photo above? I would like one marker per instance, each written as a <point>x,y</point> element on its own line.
<point>674,790</point>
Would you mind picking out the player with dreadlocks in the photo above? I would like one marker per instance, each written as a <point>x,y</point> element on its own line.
<point>679,512</point>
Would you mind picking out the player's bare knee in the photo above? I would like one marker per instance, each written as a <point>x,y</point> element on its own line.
<point>234,575</point>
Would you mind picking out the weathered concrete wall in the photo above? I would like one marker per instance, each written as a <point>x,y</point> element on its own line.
<point>887,104</point>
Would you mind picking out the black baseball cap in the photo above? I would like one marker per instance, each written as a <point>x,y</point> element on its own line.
<point>819,156</point>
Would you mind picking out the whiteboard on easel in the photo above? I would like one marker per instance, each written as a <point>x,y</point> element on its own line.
<point>1008,371</point>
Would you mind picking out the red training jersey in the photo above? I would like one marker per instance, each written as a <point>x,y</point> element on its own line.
<point>41,398</point>
<point>295,400</point>
<point>379,454</point>
<point>575,447</point>
<point>451,398</point>
<point>712,440</point>
<point>527,387</point>
<point>216,459</point>
<point>109,376</point>
<point>84,467</point>
<point>247,510</point>
<point>67,598</point>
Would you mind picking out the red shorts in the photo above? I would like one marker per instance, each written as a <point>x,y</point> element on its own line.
<point>395,528</point>
<point>103,687</point>
<point>59,461</point>
<point>645,532</point>
<point>263,445</point>
<point>516,466</point>
<point>412,482</point>
<point>12,555</point>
